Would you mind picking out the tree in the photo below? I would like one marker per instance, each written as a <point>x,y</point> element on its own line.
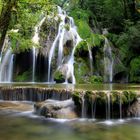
<point>7,8</point>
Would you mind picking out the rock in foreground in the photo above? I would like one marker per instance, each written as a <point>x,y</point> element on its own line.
<point>134,109</point>
<point>56,109</point>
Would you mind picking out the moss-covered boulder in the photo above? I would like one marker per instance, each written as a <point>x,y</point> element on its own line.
<point>59,77</point>
<point>99,102</point>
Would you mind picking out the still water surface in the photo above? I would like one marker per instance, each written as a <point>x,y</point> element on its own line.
<point>26,126</point>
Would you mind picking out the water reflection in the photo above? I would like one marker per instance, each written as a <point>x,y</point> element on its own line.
<point>24,127</point>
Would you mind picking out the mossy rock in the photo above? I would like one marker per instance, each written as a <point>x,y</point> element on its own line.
<point>131,96</point>
<point>77,98</point>
<point>59,77</point>
<point>101,98</point>
<point>126,97</point>
<point>24,77</point>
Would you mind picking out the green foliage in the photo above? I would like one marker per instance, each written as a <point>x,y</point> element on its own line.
<point>82,46</point>
<point>18,43</point>
<point>135,70</point>
<point>95,79</point>
<point>95,40</point>
<point>24,16</point>
<point>80,14</point>
<point>25,76</point>
<point>81,71</point>
<point>83,29</point>
<point>0,6</point>
<point>59,77</point>
<point>81,19</point>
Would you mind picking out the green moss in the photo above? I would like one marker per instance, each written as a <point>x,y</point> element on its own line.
<point>95,79</point>
<point>126,97</point>
<point>95,40</point>
<point>130,96</point>
<point>76,96</point>
<point>82,46</point>
<point>59,77</point>
<point>18,43</point>
<point>81,70</point>
<point>101,98</point>
<point>135,70</point>
<point>67,27</point>
<point>25,76</point>
<point>83,29</point>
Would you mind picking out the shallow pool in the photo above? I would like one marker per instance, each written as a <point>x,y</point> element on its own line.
<point>27,126</point>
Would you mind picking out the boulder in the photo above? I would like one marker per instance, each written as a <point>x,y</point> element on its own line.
<point>56,109</point>
<point>134,109</point>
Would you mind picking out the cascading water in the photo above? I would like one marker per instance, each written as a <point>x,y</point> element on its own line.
<point>120,107</point>
<point>90,59</point>
<point>93,107</point>
<point>108,62</point>
<point>35,40</point>
<point>83,107</point>
<point>70,34</point>
<point>108,106</point>
<point>6,66</point>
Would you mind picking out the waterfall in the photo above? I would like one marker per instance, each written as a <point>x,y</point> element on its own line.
<point>90,59</point>
<point>93,107</point>
<point>108,107</point>
<point>6,67</point>
<point>61,38</point>
<point>33,94</point>
<point>108,62</point>
<point>120,107</point>
<point>35,40</point>
<point>83,107</point>
<point>6,61</point>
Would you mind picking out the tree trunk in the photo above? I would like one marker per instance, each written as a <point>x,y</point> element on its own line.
<point>5,19</point>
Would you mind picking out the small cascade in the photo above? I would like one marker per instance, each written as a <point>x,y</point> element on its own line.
<point>83,107</point>
<point>33,94</point>
<point>10,70</point>
<point>108,62</point>
<point>93,108</point>
<point>90,59</point>
<point>120,107</point>
<point>35,40</point>
<point>70,34</point>
<point>6,66</point>
<point>108,107</point>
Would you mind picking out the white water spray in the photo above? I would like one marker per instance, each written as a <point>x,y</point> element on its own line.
<point>59,42</point>
<point>90,59</point>
<point>6,66</point>
<point>108,62</point>
<point>35,40</point>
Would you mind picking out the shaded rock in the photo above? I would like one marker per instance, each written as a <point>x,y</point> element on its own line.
<point>56,109</point>
<point>16,106</point>
<point>134,109</point>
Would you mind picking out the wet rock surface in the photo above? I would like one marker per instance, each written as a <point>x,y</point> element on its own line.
<point>56,109</point>
<point>134,109</point>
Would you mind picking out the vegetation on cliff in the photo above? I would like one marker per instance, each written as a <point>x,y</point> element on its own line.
<point>118,20</point>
